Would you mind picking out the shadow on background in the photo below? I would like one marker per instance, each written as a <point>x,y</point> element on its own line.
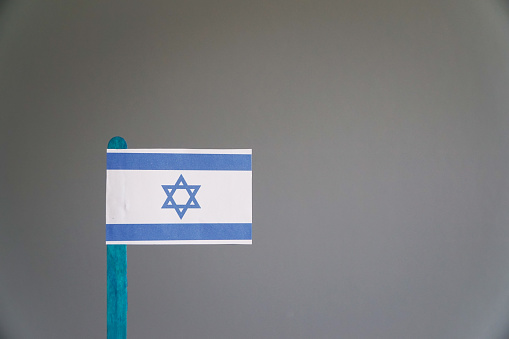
<point>4,4</point>
<point>505,5</point>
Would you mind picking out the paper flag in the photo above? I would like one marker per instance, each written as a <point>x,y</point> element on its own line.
<point>178,196</point>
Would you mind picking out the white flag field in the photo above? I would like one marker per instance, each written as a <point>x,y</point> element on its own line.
<point>178,196</point>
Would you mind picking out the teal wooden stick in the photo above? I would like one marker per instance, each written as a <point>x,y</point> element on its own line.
<point>117,277</point>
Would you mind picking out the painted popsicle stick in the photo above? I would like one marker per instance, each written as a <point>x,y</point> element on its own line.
<point>117,278</point>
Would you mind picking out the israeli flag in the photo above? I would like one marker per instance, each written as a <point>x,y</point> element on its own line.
<point>178,196</point>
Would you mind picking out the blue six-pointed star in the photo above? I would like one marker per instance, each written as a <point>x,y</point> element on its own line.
<point>181,184</point>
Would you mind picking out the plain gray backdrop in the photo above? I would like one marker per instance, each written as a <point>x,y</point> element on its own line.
<point>380,144</point>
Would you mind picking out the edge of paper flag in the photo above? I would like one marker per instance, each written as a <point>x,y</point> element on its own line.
<point>181,150</point>
<point>182,242</point>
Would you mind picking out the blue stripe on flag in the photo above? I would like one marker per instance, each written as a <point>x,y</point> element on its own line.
<point>133,232</point>
<point>178,161</point>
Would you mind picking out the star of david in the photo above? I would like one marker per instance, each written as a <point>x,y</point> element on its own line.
<point>181,184</point>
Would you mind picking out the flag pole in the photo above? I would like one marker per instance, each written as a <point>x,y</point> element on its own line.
<point>116,277</point>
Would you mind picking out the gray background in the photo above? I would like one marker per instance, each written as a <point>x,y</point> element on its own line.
<point>380,174</point>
